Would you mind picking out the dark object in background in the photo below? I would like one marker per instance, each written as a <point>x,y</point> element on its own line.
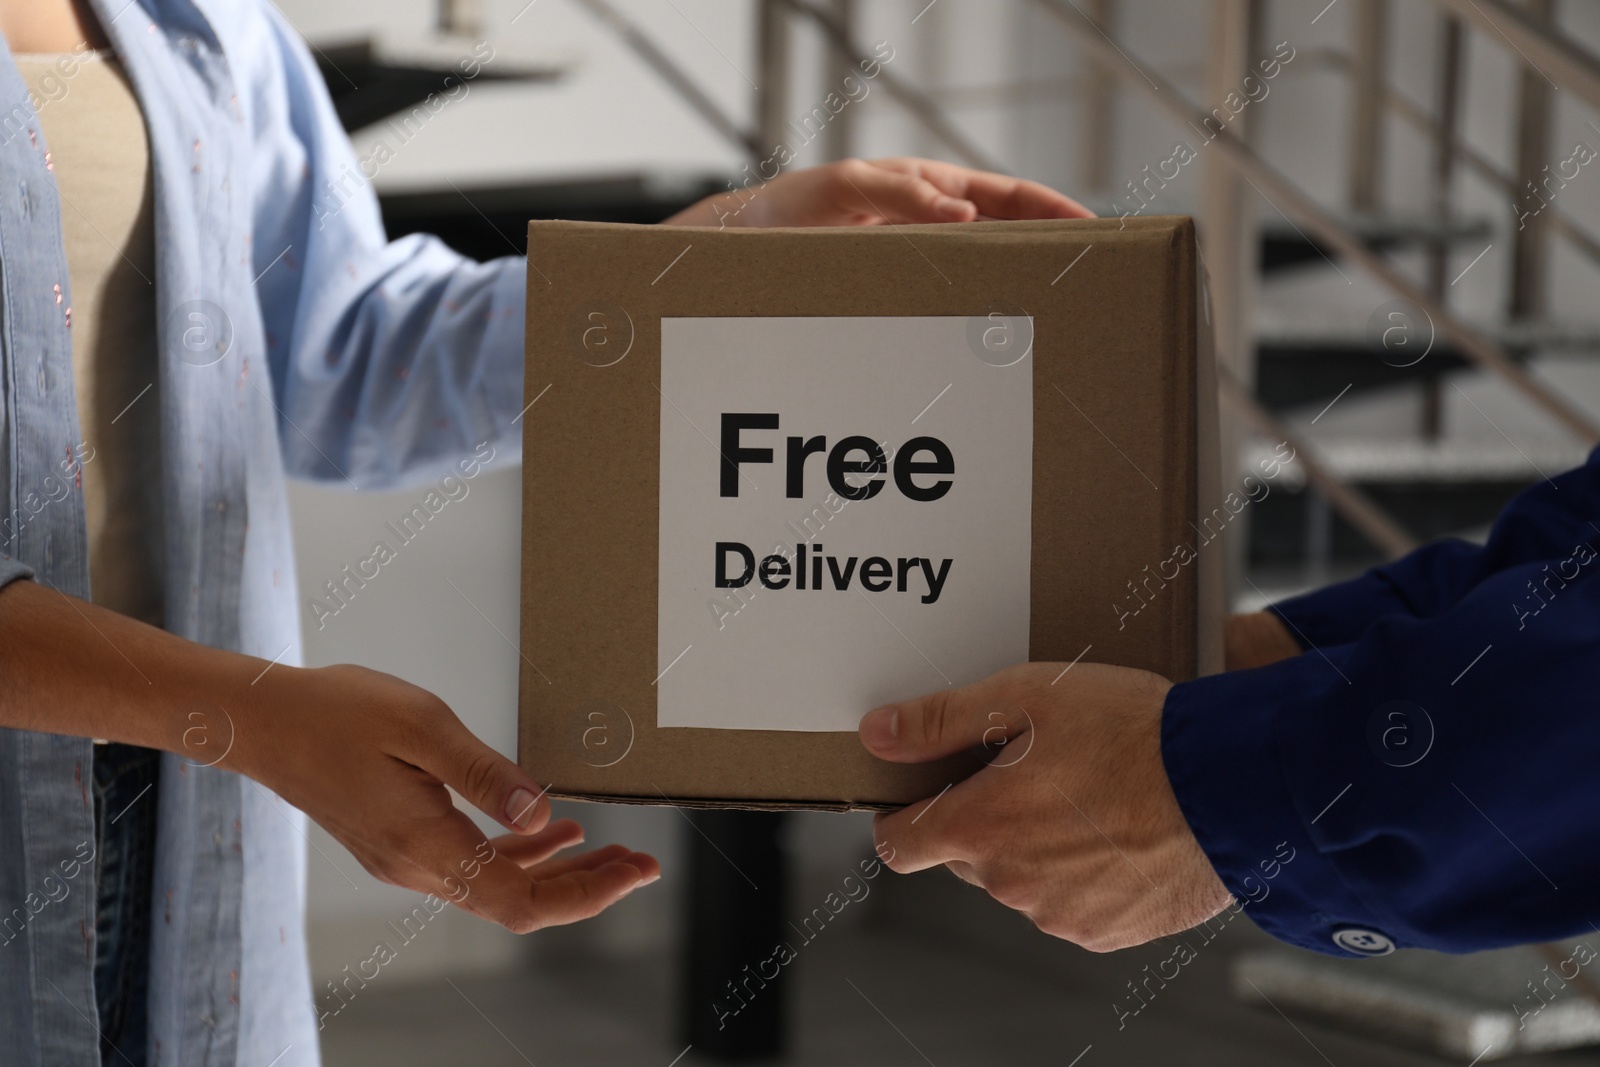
<point>371,78</point>
<point>735,919</point>
<point>485,222</point>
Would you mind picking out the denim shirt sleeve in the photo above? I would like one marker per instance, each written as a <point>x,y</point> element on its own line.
<point>1434,778</point>
<point>11,570</point>
<point>389,360</point>
<point>1542,522</point>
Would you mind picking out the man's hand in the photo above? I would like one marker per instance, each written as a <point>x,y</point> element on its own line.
<point>368,757</point>
<point>854,192</point>
<point>1073,823</point>
<point>1255,640</point>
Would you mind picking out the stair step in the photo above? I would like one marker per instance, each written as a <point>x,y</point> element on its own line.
<point>1475,1008</point>
<point>1285,245</point>
<point>1296,331</point>
<point>1446,462</point>
<point>485,221</point>
<point>373,77</point>
<point>1391,228</point>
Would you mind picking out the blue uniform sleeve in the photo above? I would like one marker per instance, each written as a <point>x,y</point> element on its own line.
<point>1542,522</point>
<point>1434,780</point>
<point>390,361</point>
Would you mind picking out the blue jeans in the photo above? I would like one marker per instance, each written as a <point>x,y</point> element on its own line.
<point>125,786</point>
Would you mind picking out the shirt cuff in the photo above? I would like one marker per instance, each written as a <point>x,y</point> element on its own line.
<point>1336,614</point>
<point>13,569</point>
<point>1422,584</point>
<point>505,352</point>
<point>1219,744</point>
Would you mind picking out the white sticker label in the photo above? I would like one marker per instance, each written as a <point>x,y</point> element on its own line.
<point>845,514</point>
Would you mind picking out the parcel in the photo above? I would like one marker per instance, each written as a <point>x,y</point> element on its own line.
<point>774,478</point>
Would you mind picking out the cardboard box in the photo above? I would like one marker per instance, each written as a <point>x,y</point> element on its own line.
<point>773,478</point>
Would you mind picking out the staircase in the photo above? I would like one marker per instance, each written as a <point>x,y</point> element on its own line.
<point>1435,443</point>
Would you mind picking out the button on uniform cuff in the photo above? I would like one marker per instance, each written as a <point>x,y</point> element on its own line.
<point>1363,942</point>
<point>1218,740</point>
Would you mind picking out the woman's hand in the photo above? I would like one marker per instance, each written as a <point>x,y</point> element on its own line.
<point>368,757</point>
<point>364,754</point>
<point>854,192</point>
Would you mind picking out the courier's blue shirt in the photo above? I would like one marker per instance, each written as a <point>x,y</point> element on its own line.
<point>1433,756</point>
<point>295,341</point>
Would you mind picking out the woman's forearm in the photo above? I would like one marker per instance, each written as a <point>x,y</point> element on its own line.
<point>69,667</point>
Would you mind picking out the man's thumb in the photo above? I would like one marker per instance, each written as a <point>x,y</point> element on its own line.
<point>941,724</point>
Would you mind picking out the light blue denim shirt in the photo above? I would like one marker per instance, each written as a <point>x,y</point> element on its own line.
<point>296,341</point>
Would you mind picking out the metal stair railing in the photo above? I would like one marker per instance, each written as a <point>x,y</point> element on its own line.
<point>1476,161</point>
<point>639,42</point>
<point>757,143</point>
<point>923,107</point>
<point>1357,507</point>
<point>1552,54</point>
<point>1557,58</point>
<point>1299,207</point>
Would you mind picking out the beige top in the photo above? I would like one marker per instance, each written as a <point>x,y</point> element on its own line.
<point>101,161</point>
